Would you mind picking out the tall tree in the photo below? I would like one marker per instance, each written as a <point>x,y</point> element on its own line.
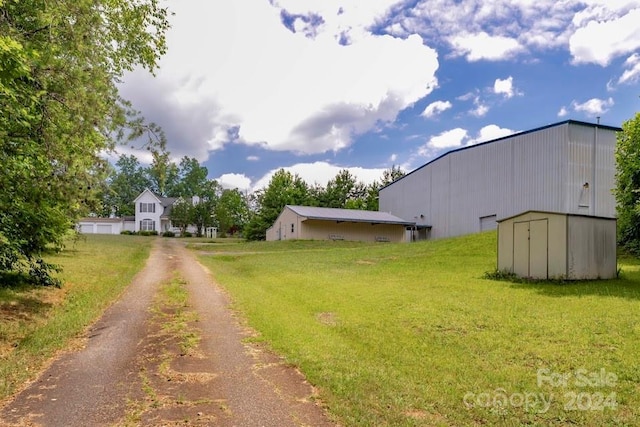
<point>59,108</point>
<point>181,214</point>
<point>340,190</point>
<point>192,180</point>
<point>124,185</point>
<point>232,212</point>
<point>284,188</point>
<point>627,189</point>
<point>163,174</point>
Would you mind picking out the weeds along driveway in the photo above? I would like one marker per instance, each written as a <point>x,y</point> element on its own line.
<point>169,352</point>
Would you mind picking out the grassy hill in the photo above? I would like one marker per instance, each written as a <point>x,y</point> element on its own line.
<point>412,334</point>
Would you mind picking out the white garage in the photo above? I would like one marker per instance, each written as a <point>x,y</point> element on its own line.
<point>101,225</point>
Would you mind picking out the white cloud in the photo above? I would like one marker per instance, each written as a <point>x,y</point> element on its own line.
<point>393,158</point>
<point>321,173</point>
<point>632,72</point>
<point>593,106</point>
<point>253,158</point>
<point>482,46</point>
<point>481,109</point>
<point>234,180</point>
<point>594,31</point>
<point>449,139</point>
<point>504,87</point>
<point>281,89</point>
<point>489,133</point>
<point>436,108</point>
<point>563,112</point>
<point>599,41</point>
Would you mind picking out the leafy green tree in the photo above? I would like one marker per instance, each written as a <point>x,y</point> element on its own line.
<point>392,174</point>
<point>342,191</point>
<point>59,109</point>
<point>182,214</point>
<point>163,174</point>
<point>284,188</point>
<point>627,189</point>
<point>232,212</point>
<point>192,178</point>
<point>128,180</point>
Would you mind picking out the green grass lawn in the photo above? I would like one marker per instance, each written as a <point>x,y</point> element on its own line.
<point>35,322</point>
<point>411,334</point>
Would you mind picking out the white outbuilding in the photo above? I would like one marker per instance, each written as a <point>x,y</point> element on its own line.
<point>547,245</point>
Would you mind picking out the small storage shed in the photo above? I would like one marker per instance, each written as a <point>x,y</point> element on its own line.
<point>547,245</point>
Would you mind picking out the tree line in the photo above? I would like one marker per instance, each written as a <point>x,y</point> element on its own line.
<point>230,210</point>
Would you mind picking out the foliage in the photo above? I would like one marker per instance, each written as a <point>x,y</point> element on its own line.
<point>181,214</point>
<point>168,234</point>
<point>627,189</point>
<point>284,189</point>
<point>59,111</point>
<point>163,174</point>
<point>231,212</point>
<point>123,186</point>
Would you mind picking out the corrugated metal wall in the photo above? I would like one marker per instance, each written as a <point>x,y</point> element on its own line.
<point>543,170</point>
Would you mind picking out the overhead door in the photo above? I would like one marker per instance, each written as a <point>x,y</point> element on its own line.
<point>104,229</point>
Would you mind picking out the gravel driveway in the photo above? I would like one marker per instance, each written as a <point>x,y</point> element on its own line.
<point>133,370</point>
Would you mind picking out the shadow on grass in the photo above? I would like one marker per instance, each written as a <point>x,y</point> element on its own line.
<point>22,307</point>
<point>625,286</point>
<point>619,288</point>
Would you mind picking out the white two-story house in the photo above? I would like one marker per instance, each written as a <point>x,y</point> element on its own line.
<point>152,213</point>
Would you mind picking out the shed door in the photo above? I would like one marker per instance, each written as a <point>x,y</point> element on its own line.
<point>521,248</point>
<point>538,249</point>
<point>530,249</point>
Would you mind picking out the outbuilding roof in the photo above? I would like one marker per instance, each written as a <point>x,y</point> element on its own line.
<point>348,215</point>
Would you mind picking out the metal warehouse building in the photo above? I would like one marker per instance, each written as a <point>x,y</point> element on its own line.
<point>567,168</point>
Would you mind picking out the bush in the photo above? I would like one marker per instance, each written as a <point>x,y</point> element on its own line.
<point>127,232</point>
<point>153,233</point>
<point>168,234</point>
<point>186,234</point>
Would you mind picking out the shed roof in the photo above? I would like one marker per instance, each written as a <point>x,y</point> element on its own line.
<point>347,215</point>
<point>554,213</point>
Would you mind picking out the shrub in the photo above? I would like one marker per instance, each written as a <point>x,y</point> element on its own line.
<point>168,234</point>
<point>186,234</point>
<point>127,232</point>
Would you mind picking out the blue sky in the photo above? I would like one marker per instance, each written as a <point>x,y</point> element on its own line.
<point>251,86</point>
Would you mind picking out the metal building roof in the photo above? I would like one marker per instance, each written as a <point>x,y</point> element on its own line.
<point>475,146</point>
<point>348,215</point>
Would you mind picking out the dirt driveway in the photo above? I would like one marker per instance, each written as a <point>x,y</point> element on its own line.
<point>136,370</point>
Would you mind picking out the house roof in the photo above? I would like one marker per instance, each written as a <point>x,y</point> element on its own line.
<point>347,215</point>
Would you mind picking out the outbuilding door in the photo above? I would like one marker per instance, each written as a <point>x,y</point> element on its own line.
<point>530,248</point>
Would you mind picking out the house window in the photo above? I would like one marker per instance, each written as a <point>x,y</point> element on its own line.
<point>292,228</point>
<point>147,225</point>
<point>148,207</point>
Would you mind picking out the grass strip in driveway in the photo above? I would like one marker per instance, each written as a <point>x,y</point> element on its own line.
<point>37,322</point>
<point>412,334</point>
